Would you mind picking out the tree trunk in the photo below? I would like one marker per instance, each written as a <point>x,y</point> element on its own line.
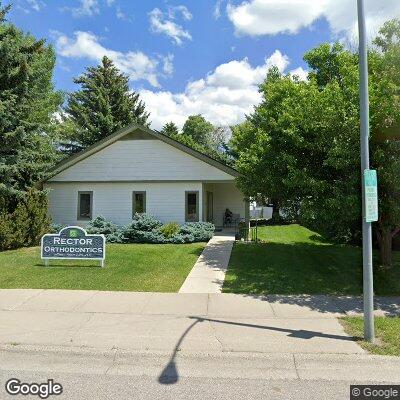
<point>275,211</point>
<point>385,248</point>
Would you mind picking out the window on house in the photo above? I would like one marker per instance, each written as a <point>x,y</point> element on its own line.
<point>85,205</point>
<point>138,203</point>
<point>192,207</point>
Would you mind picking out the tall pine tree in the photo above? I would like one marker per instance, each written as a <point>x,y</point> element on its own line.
<point>170,129</point>
<point>103,105</point>
<point>27,103</point>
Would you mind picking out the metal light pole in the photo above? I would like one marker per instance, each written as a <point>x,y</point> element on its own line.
<point>369,330</point>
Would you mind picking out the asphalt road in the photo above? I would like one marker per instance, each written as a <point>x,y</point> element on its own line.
<point>93,387</point>
<point>90,374</point>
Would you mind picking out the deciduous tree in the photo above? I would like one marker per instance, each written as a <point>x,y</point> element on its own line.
<point>199,129</point>
<point>301,144</point>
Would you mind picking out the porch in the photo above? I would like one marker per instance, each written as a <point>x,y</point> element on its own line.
<point>216,198</point>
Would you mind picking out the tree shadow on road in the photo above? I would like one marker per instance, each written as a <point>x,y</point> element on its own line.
<point>170,374</point>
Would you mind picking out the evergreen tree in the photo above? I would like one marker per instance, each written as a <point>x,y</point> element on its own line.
<point>27,103</point>
<point>170,129</point>
<point>103,105</point>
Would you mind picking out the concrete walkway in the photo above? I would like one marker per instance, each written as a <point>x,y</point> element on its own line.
<point>172,322</point>
<point>208,274</point>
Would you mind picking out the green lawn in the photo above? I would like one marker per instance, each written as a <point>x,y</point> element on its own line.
<point>387,331</point>
<point>135,267</point>
<point>295,260</point>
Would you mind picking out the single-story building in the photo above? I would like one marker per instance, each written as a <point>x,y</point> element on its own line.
<point>141,170</point>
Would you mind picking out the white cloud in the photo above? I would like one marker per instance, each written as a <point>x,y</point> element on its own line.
<point>259,17</point>
<point>122,16</point>
<point>136,64</point>
<point>301,73</point>
<point>23,9</point>
<point>224,96</point>
<point>342,16</point>
<point>35,4</point>
<point>87,8</point>
<point>183,10</point>
<point>119,13</point>
<point>217,9</point>
<point>168,64</point>
<point>163,23</point>
<point>270,17</point>
<point>277,59</point>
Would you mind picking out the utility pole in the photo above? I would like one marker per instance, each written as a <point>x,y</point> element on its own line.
<point>368,283</point>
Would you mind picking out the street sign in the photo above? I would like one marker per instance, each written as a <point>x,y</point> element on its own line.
<point>371,195</point>
<point>73,242</point>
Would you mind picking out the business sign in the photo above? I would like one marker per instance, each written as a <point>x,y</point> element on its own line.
<point>371,195</point>
<point>73,242</point>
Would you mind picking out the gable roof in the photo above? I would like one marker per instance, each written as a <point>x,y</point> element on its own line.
<point>103,143</point>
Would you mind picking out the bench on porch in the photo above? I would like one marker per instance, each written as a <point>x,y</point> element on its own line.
<point>233,221</point>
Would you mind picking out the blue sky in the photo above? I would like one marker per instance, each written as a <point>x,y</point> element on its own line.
<point>188,57</point>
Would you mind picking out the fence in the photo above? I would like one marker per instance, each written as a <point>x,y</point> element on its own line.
<point>248,234</point>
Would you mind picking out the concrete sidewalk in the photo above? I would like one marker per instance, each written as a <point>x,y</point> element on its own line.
<point>208,274</point>
<point>178,346</point>
<point>173,322</point>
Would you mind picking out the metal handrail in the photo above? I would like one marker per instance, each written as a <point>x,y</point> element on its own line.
<point>248,233</point>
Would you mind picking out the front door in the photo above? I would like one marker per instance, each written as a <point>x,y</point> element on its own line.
<point>209,207</point>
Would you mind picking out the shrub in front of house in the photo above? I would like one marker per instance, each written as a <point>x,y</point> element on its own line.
<point>27,223</point>
<point>7,239</point>
<point>145,222</point>
<point>56,228</point>
<point>201,231</point>
<point>146,237</point>
<point>101,226</point>
<point>144,228</point>
<point>180,238</point>
<point>260,222</point>
<point>170,229</point>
